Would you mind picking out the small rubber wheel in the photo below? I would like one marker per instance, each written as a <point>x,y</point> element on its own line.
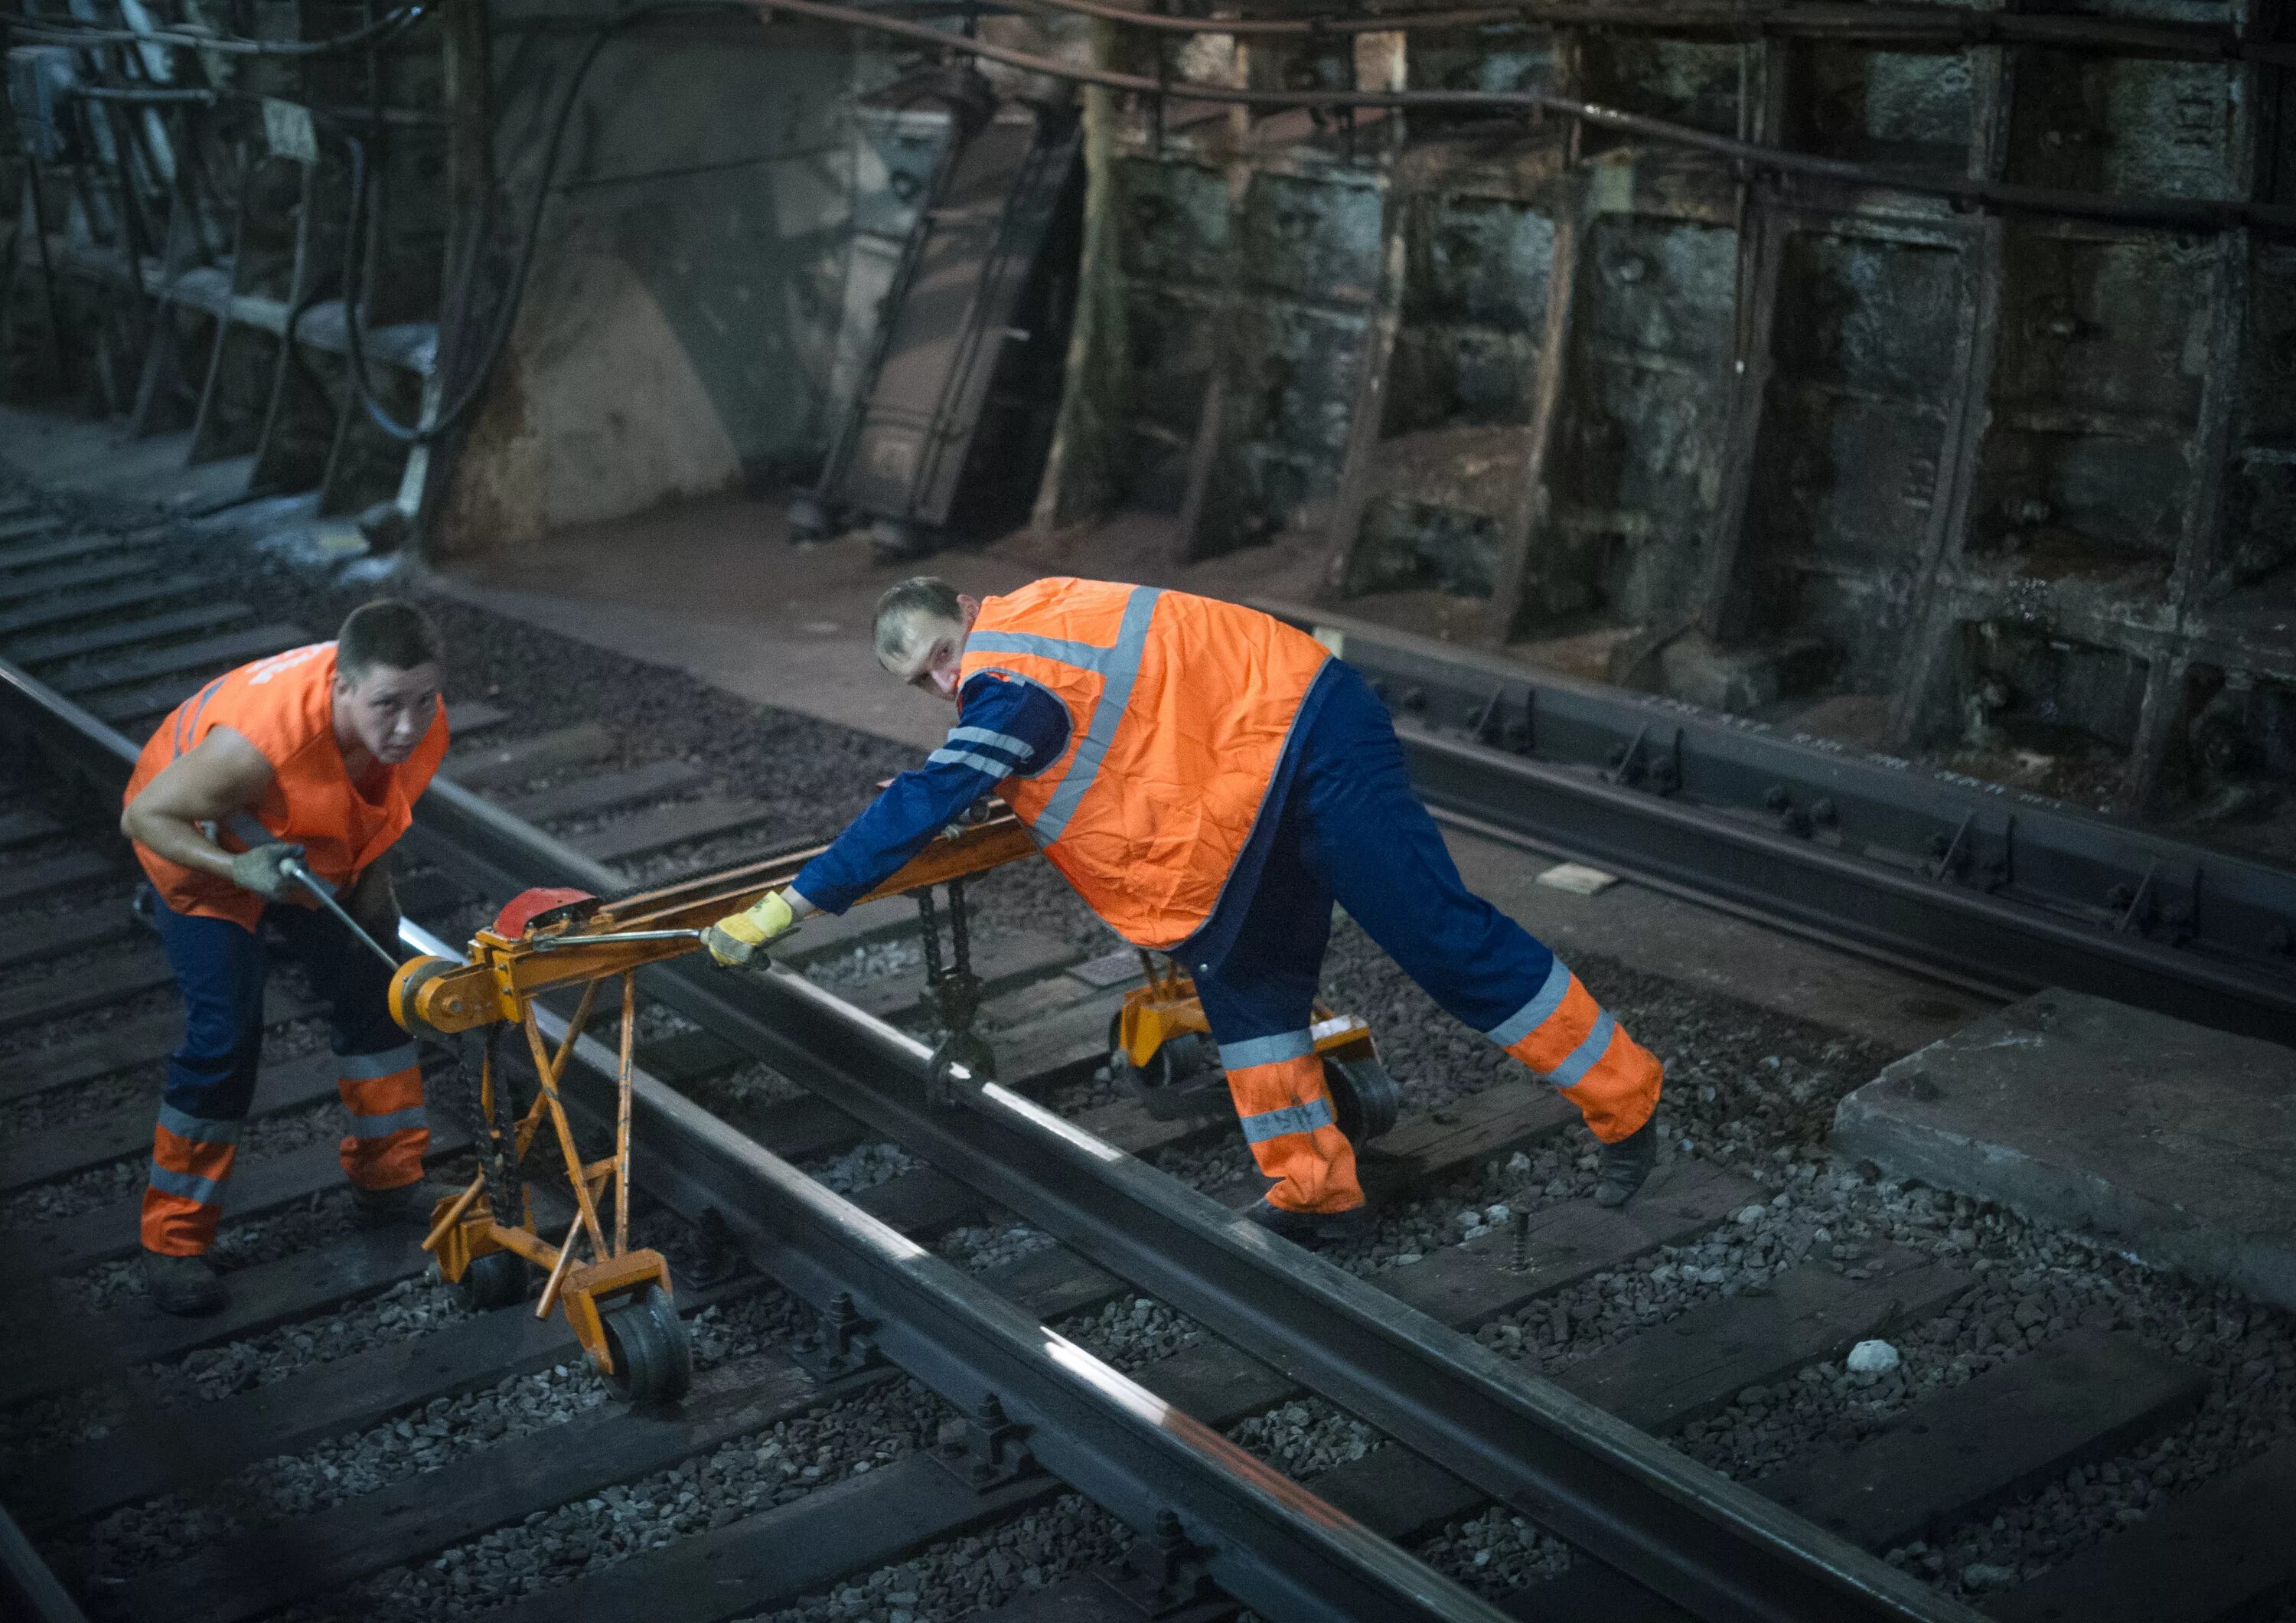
<point>1177,1062</point>
<point>499,1279</point>
<point>1363,1098</point>
<point>653,1361</point>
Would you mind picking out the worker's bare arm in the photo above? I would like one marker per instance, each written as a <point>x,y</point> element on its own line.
<point>224,773</point>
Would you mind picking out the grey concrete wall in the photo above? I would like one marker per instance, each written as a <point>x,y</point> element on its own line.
<point>681,329</point>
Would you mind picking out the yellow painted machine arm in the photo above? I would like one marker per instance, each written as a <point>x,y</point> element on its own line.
<point>560,946</point>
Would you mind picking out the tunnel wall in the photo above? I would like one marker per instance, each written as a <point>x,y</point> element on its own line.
<point>681,330</point>
<point>2003,485</point>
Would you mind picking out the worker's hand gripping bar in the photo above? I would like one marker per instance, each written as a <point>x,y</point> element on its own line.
<point>585,942</point>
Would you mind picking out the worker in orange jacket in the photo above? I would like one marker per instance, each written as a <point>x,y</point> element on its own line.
<point>1209,780</point>
<point>314,756</point>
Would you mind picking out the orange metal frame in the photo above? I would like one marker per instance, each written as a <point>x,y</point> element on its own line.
<point>558,950</point>
<point>441,997</point>
<point>1167,1007</point>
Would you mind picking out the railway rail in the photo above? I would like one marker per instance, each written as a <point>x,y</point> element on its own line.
<point>2003,891</point>
<point>1217,1527</point>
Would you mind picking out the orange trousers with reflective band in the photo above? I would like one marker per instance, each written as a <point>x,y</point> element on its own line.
<point>1572,1042</point>
<point>1285,1111</point>
<point>191,1156</point>
<point>1349,828</point>
<point>220,969</point>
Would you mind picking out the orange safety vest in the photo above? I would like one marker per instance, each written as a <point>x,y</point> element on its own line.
<point>1179,708</point>
<point>284,706</point>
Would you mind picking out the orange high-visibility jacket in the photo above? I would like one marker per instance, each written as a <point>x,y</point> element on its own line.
<point>1179,708</point>
<point>284,706</point>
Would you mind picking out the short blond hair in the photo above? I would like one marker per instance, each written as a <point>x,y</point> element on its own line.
<point>907,604</point>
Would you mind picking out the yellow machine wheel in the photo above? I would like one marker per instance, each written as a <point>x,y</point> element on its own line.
<point>406,992</point>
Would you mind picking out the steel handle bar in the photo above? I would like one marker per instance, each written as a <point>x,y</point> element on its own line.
<point>325,891</point>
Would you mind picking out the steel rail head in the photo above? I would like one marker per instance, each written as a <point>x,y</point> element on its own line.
<point>1265,1539</point>
<point>32,1590</point>
<point>1711,1546</point>
<point>2031,920</point>
<point>1714,1548</point>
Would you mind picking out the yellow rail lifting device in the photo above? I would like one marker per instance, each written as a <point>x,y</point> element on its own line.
<point>618,1301</point>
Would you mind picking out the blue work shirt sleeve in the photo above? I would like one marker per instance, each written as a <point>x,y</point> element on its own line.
<point>1004,729</point>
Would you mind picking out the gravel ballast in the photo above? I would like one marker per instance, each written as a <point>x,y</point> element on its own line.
<point>1748,1090</point>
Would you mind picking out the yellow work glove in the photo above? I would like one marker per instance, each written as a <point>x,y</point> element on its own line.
<point>734,939</point>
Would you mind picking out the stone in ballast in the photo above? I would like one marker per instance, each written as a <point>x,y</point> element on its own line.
<point>1871,1358</point>
<point>2170,1141</point>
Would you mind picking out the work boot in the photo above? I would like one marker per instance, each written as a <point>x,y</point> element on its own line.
<point>185,1285</point>
<point>1309,1229</point>
<point>1626,1164</point>
<point>407,1207</point>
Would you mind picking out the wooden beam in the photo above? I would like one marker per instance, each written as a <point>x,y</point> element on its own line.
<point>1929,619</point>
<point>1085,470</point>
<point>2200,541</point>
<point>1932,621</point>
<point>1367,412</point>
<point>1531,514</point>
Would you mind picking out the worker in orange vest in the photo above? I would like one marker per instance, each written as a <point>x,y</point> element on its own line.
<point>314,756</point>
<point>1209,780</point>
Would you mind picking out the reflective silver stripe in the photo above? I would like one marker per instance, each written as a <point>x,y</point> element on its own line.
<point>1084,655</point>
<point>1007,673</point>
<point>202,1190</point>
<point>186,723</point>
<point>1293,1118</point>
<point>395,1121</point>
<point>1266,1051</point>
<point>1536,1013</point>
<point>368,1067</point>
<point>198,1129</point>
<point>981,763</point>
<point>1120,669</point>
<point>1584,1057</point>
<point>996,740</point>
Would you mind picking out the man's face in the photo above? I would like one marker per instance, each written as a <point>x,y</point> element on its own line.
<point>389,710</point>
<point>930,662</point>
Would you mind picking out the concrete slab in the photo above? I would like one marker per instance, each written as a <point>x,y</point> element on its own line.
<point>2174,1142</point>
<point>98,457</point>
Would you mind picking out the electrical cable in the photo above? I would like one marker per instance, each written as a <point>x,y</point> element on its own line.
<point>1909,25</point>
<point>142,95</point>
<point>61,32</point>
<point>2177,213</point>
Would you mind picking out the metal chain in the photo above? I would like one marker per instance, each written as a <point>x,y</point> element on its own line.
<point>960,929</point>
<point>931,921</point>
